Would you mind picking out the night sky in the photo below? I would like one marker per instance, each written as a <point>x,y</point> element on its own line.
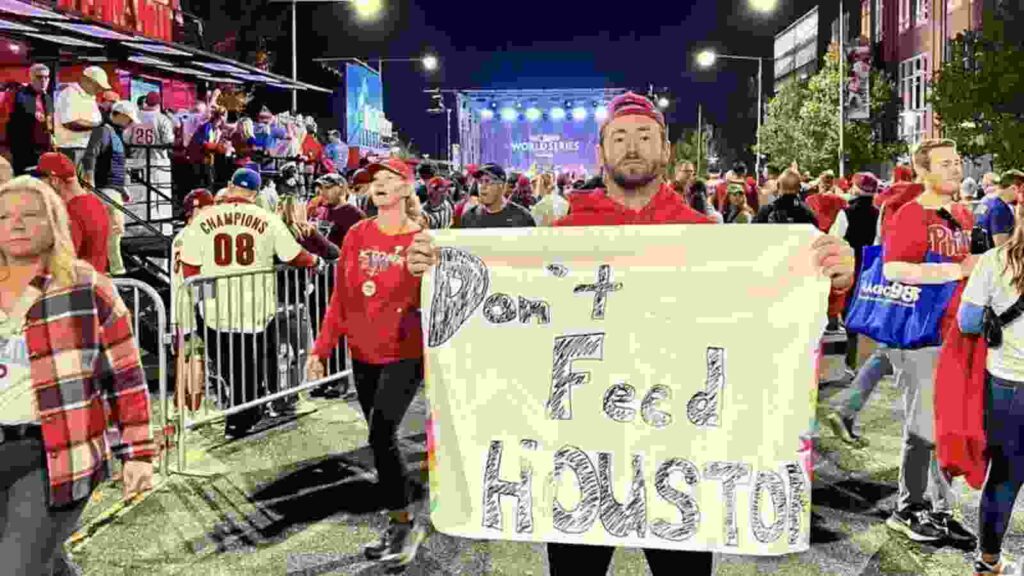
<point>528,44</point>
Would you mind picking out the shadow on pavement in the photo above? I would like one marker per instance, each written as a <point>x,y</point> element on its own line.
<point>318,489</point>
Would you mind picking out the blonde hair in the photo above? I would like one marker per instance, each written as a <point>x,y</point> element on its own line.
<point>60,261</point>
<point>414,209</point>
<point>293,213</point>
<point>1014,248</point>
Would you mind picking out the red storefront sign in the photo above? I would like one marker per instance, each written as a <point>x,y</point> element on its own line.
<point>149,18</point>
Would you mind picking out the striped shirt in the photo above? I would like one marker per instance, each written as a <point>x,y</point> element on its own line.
<point>439,217</point>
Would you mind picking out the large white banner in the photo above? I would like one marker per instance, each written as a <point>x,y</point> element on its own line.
<point>647,386</point>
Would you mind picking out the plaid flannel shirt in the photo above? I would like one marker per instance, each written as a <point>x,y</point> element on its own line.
<point>85,368</point>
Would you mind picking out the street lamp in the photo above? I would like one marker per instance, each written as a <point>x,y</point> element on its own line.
<point>430,62</point>
<point>365,9</point>
<point>663,102</point>
<point>764,6</point>
<point>707,59</point>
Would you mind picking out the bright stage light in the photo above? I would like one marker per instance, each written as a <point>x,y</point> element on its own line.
<point>509,114</point>
<point>487,114</point>
<point>663,102</point>
<point>532,114</point>
<point>557,113</point>
<point>579,113</point>
<point>601,113</point>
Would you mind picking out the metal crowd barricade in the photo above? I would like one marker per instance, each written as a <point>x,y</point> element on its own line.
<point>276,327</point>
<point>142,300</point>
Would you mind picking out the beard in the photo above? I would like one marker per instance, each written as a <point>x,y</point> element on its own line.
<point>634,176</point>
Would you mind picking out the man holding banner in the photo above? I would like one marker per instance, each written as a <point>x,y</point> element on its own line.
<point>634,149</point>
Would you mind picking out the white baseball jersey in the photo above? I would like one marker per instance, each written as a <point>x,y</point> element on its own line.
<point>238,237</point>
<point>155,129</point>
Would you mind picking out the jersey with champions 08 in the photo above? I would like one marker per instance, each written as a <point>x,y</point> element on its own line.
<point>238,237</point>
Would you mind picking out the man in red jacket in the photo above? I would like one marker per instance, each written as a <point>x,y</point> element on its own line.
<point>634,151</point>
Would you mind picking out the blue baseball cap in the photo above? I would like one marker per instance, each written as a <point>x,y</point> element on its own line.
<point>248,179</point>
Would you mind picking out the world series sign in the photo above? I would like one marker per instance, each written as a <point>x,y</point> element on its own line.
<point>642,386</point>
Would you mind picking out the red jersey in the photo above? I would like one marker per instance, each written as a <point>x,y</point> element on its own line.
<point>595,208</point>
<point>826,207</point>
<point>894,198</point>
<point>916,230</point>
<point>90,230</point>
<point>376,301</point>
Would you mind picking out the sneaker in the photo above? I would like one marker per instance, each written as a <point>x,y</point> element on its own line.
<point>832,326</point>
<point>405,543</point>
<point>376,551</point>
<point>843,429</point>
<point>956,533</point>
<point>915,524</point>
<point>1000,568</point>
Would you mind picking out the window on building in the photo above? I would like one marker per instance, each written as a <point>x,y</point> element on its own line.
<point>878,20</point>
<point>913,75</point>
<point>904,15</point>
<point>921,12</point>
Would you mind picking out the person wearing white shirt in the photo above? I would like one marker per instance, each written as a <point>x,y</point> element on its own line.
<point>76,112</point>
<point>150,141</point>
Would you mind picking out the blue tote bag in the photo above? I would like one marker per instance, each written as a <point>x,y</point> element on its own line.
<point>897,315</point>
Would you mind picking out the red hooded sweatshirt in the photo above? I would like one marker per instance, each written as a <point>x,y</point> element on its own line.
<point>960,440</point>
<point>595,208</point>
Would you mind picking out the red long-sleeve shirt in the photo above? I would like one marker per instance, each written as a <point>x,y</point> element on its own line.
<point>376,301</point>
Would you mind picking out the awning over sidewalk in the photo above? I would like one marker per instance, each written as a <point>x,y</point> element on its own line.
<point>92,42</point>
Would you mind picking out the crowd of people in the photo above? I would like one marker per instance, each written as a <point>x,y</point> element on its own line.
<point>374,222</point>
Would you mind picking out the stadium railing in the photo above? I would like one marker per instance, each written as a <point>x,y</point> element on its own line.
<point>139,296</point>
<point>281,309</point>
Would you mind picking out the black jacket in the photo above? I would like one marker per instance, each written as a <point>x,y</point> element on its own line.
<point>863,223</point>
<point>786,209</point>
<point>24,132</point>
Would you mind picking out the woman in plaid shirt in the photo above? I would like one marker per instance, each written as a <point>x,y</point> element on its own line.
<point>68,365</point>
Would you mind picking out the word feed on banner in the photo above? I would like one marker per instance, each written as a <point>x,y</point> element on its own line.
<point>586,399</point>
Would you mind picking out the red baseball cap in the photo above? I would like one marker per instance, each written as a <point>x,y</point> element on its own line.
<point>153,99</point>
<point>632,104</point>
<point>393,165</point>
<point>197,199</point>
<point>360,176</point>
<point>56,164</point>
<point>437,182</point>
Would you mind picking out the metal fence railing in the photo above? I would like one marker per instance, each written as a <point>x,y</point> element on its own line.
<point>146,306</point>
<point>257,329</point>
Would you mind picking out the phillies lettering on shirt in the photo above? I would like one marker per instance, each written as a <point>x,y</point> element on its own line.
<point>916,230</point>
<point>948,243</point>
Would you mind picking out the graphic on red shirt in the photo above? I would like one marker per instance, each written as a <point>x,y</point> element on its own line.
<point>373,262</point>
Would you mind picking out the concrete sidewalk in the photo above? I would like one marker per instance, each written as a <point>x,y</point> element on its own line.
<point>299,498</point>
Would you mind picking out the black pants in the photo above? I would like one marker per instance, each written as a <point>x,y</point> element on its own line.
<point>385,393</point>
<point>585,560</point>
<point>243,361</point>
<point>31,531</point>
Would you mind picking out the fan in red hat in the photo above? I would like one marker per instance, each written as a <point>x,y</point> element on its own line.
<point>189,373</point>
<point>376,306</point>
<point>87,215</point>
<point>439,208</point>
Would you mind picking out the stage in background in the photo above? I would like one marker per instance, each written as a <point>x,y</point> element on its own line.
<point>533,130</point>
